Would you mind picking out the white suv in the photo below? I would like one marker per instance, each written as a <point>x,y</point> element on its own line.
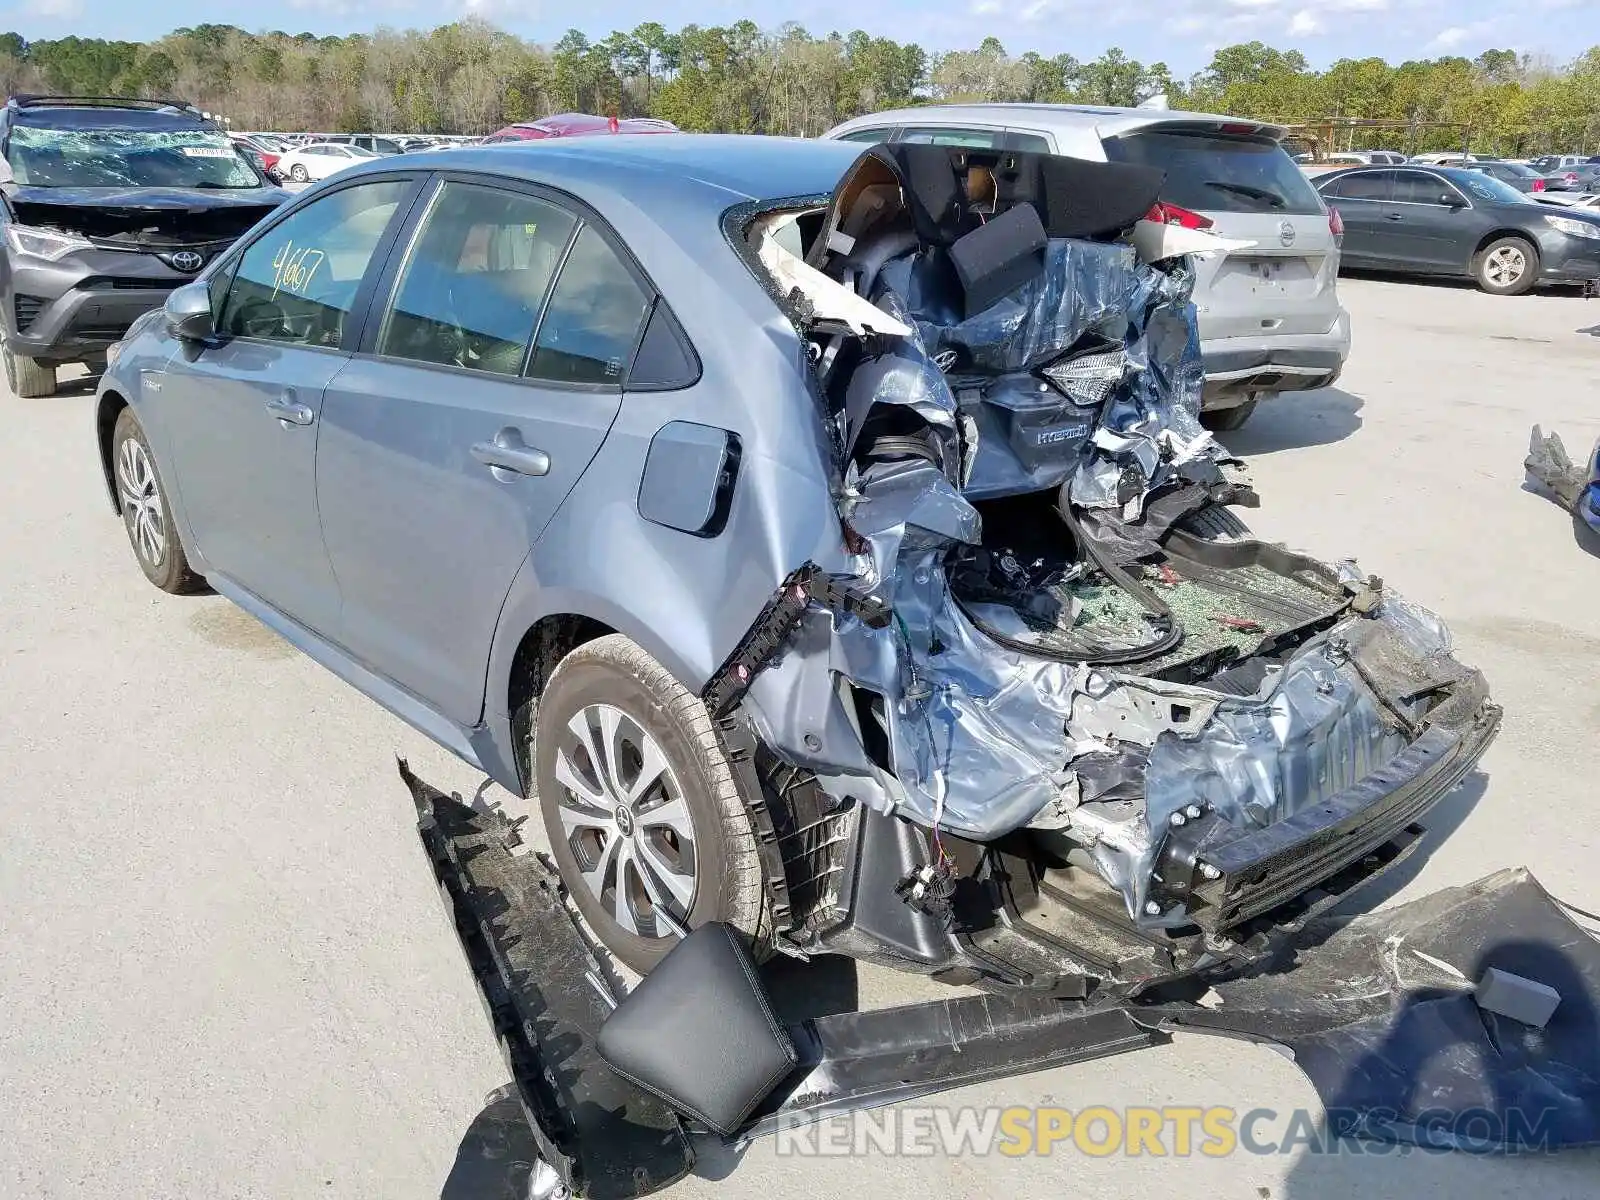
<point>1270,318</point>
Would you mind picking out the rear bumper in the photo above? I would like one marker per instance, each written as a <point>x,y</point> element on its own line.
<point>1262,869</point>
<point>1238,368</point>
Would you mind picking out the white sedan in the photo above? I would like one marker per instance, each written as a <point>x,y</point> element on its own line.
<point>319,160</point>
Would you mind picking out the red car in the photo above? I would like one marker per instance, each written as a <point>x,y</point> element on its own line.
<point>267,152</point>
<point>577,125</point>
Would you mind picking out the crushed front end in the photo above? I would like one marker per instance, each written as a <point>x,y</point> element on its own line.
<point>1089,704</point>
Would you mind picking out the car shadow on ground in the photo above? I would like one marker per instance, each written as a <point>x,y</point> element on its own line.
<point>1297,419</point>
<point>1456,282</point>
<point>1459,283</point>
<point>82,385</point>
<point>1510,1112</point>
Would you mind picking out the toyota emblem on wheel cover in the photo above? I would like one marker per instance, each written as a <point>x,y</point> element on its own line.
<point>188,261</point>
<point>1286,233</point>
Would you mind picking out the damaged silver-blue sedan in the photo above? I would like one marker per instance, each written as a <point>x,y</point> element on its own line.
<point>826,540</point>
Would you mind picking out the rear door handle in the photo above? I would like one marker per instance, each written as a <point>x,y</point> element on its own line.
<point>508,452</point>
<point>1394,216</point>
<point>289,411</point>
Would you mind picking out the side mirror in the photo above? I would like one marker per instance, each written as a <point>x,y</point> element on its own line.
<point>188,310</point>
<point>1452,200</point>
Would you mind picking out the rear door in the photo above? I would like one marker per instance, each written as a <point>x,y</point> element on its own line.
<point>1284,282</point>
<point>491,373</point>
<point>1361,198</point>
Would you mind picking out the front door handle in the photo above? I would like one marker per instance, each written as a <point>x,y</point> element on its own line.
<point>1394,217</point>
<point>289,411</point>
<point>508,452</point>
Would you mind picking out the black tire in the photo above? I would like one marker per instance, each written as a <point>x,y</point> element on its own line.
<point>28,378</point>
<point>151,534</point>
<point>298,173</point>
<point>1220,420</point>
<point>718,849</point>
<point>1493,268</point>
<point>1217,523</point>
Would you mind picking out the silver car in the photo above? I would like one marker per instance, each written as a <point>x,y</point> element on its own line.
<point>818,534</point>
<point>1270,318</point>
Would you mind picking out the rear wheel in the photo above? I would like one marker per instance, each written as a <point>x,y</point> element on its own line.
<point>28,377</point>
<point>1222,419</point>
<point>647,826</point>
<point>1507,266</point>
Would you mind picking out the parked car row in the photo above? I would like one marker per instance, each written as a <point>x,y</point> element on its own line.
<point>1270,317</point>
<point>1460,221</point>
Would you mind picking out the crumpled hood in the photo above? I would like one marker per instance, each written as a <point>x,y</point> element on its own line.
<point>145,217</point>
<point>159,199</point>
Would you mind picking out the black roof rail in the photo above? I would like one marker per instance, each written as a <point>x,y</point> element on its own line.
<point>31,100</point>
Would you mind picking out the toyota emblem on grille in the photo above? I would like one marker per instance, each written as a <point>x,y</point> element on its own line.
<point>1286,233</point>
<point>188,261</point>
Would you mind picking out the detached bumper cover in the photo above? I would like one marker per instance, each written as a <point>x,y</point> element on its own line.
<point>1379,1010</point>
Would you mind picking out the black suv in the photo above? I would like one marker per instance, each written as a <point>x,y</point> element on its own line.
<point>107,205</point>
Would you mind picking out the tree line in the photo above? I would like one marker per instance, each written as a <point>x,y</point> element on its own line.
<point>471,77</point>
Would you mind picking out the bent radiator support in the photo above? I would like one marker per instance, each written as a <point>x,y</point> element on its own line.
<point>1379,1010</point>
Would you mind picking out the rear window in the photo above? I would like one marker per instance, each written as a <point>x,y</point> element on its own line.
<point>1214,173</point>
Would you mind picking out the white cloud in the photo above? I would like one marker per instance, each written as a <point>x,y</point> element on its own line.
<point>55,10</point>
<point>1304,23</point>
<point>1252,3</point>
<point>1459,35</point>
<point>1358,5</point>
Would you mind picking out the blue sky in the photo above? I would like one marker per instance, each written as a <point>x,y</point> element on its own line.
<point>1182,35</point>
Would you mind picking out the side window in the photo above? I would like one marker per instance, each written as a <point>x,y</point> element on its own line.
<point>297,282</point>
<point>592,323</point>
<point>870,137</point>
<point>981,139</point>
<point>475,279</point>
<point>1032,143</point>
<point>1415,187</point>
<point>1365,185</point>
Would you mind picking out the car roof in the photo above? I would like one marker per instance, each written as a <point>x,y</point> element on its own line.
<point>1108,120</point>
<point>724,168</point>
<point>576,124</point>
<point>104,116</point>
